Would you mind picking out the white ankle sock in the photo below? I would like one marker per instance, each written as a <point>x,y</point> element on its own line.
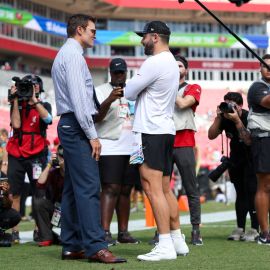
<point>165,240</point>
<point>176,233</point>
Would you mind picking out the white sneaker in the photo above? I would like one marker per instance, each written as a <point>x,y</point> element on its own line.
<point>250,236</point>
<point>236,234</point>
<point>159,253</point>
<point>180,245</point>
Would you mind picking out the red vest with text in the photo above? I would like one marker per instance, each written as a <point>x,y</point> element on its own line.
<point>28,140</point>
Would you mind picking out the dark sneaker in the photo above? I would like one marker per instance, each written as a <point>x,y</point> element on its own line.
<point>196,238</point>
<point>5,239</point>
<point>126,238</point>
<point>15,237</point>
<point>264,239</point>
<point>155,239</point>
<point>36,236</point>
<point>109,239</point>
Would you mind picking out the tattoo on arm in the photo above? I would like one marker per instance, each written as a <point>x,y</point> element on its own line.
<point>244,135</point>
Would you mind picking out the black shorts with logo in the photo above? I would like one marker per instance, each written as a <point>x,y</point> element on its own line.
<point>114,169</point>
<point>158,151</point>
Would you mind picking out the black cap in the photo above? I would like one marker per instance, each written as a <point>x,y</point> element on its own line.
<point>118,64</point>
<point>34,79</point>
<point>157,27</point>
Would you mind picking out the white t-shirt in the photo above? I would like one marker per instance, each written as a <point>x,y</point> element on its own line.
<point>155,89</point>
<point>122,146</point>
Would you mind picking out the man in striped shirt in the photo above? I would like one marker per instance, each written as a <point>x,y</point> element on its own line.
<point>81,233</point>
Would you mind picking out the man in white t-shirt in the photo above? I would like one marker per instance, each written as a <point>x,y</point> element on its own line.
<point>155,89</point>
<point>117,176</point>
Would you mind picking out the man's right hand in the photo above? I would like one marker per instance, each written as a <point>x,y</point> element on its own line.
<point>115,94</point>
<point>96,148</point>
<point>13,90</point>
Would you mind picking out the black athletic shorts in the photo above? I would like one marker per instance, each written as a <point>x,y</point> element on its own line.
<point>117,170</point>
<point>260,149</point>
<point>158,151</point>
<point>18,167</point>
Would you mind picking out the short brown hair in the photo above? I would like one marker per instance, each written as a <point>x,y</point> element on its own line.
<point>78,20</point>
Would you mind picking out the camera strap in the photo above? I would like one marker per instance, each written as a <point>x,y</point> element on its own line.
<point>222,145</point>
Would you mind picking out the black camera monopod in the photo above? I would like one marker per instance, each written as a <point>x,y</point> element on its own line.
<point>230,31</point>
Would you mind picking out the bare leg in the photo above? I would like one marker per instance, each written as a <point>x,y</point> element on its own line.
<point>152,184</point>
<point>262,201</point>
<point>172,202</point>
<point>123,208</point>
<point>109,196</point>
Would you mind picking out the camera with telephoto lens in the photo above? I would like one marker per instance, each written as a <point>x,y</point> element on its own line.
<point>216,173</point>
<point>226,107</point>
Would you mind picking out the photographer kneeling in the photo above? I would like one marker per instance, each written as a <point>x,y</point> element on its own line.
<point>239,164</point>
<point>8,216</point>
<point>48,198</point>
<point>27,148</point>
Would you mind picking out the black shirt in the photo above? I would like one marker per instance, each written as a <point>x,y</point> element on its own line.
<point>256,93</point>
<point>239,151</point>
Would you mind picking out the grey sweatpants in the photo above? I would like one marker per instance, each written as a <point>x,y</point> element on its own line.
<point>184,159</point>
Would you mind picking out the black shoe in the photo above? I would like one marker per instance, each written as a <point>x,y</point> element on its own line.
<point>126,238</point>
<point>264,239</point>
<point>109,239</point>
<point>196,238</point>
<point>155,239</point>
<point>15,237</point>
<point>5,239</point>
<point>36,236</point>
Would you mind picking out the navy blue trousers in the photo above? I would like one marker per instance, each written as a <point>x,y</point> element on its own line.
<point>80,218</point>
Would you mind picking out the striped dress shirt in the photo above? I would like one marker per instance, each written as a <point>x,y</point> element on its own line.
<point>73,86</point>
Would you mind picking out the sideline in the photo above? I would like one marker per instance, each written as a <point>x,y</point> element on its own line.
<point>139,225</point>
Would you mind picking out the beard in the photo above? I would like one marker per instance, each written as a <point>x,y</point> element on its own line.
<point>149,48</point>
<point>182,75</point>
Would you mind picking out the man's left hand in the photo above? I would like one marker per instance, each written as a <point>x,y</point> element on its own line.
<point>233,116</point>
<point>33,98</point>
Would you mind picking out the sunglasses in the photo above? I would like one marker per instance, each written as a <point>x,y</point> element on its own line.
<point>93,31</point>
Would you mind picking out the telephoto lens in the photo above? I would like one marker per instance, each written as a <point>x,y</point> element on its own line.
<point>216,173</point>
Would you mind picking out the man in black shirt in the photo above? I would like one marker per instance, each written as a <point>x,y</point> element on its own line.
<point>241,171</point>
<point>259,126</point>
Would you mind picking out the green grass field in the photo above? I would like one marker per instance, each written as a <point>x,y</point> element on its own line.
<point>216,253</point>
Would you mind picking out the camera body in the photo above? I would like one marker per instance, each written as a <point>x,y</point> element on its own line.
<point>55,163</point>
<point>24,89</point>
<point>121,85</point>
<point>216,173</point>
<point>226,107</point>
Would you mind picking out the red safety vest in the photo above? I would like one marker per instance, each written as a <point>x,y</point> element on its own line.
<point>28,140</point>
